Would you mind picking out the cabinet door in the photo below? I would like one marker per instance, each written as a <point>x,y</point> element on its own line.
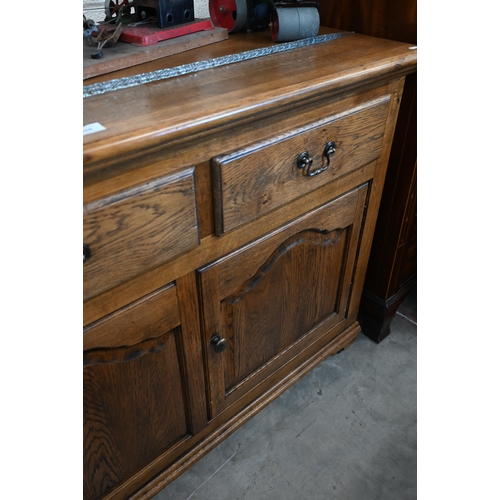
<point>140,402</point>
<point>272,300</point>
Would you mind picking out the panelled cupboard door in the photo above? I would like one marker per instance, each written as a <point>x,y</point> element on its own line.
<point>267,303</point>
<point>137,401</point>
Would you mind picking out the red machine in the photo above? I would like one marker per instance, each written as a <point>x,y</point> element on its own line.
<point>288,20</point>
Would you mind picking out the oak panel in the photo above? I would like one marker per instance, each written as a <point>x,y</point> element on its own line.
<point>213,247</point>
<point>134,410</point>
<point>293,291</point>
<point>136,230</point>
<point>243,91</point>
<point>277,295</point>
<point>146,318</point>
<point>252,182</point>
<point>323,219</point>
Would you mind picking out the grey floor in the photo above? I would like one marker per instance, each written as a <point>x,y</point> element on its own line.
<point>346,431</point>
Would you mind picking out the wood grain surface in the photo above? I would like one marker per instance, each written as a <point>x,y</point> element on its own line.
<point>389,19</point>
<point>282,286</point>
<point>239,91</point>
<point>252,182</point>
<point>139,321</point>
<point>125,55</point>
<point>124,431</point>
<point>268,299</point>
<point>131,232</point>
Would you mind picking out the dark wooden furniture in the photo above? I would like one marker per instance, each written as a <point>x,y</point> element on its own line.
<point>392,267</point>
<point>216,271</point>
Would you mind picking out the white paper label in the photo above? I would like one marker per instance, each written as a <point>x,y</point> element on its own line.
<point>92,128</point>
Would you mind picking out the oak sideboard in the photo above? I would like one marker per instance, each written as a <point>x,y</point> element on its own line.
<point>228,216</point>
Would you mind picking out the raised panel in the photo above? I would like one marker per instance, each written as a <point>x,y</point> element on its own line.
<point>144,396</point>
<point>294,290</point>
<point>134,410</point>
<point>278,296</point>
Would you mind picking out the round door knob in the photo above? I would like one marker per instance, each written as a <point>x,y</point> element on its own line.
<point>86,252</point>
<point>218,343</point>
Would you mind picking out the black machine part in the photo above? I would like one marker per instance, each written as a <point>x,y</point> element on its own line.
<point>167,13</point>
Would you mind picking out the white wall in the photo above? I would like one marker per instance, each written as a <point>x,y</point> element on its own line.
<point>96,11</point>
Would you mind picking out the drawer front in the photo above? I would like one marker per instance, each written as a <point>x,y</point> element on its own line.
<point>137,230</point>
<point>252,182</point>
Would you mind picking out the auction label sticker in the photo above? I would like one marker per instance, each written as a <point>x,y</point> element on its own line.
<point>92,128</point>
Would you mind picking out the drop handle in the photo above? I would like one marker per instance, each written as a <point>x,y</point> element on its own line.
<point>86,252</point>
<point>304,160</point>
<point>218,343</point>
<point>329,151</point>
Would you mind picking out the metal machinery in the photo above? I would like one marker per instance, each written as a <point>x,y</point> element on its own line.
<point>143,23</point>
<point>146,22</point>
<point>166,12</point>
<point>288,20</point>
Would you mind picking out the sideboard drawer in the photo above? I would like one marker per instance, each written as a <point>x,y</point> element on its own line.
<point>251,182</point>
<point>137,230</point>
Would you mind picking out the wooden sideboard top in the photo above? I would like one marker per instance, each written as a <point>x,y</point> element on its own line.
<point>188,107</point>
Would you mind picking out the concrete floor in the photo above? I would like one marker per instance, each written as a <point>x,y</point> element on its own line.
<point>346,431</point>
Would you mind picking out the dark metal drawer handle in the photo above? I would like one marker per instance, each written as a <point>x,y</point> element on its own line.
<point>304,160</point>
<point>86,252</point>
<point>218,343</point>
